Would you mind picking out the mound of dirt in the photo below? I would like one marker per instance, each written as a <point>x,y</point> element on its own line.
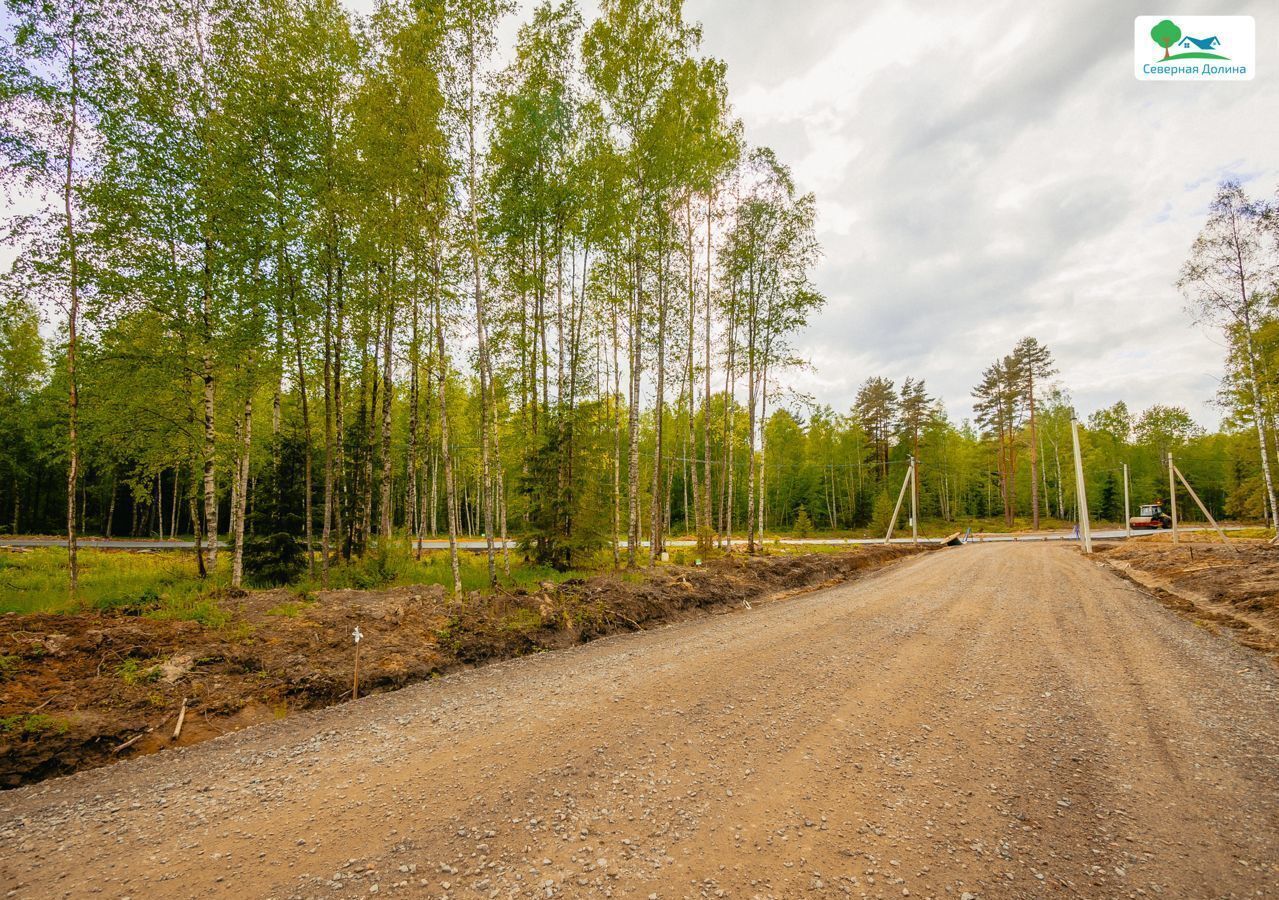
<point>78,691</point>
<point>1235,586</point>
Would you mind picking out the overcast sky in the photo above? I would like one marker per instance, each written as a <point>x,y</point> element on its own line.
<point>990,170</point>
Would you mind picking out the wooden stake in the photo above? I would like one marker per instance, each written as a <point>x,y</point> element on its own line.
<point>1203,509</point>
<point>356,635</point>
<point>182,717</point>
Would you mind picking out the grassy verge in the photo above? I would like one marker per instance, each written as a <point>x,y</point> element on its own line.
<point>36,581</point>
<point>166,585</point>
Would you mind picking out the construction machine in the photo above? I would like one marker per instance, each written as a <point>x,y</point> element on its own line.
<point>1151,515</point>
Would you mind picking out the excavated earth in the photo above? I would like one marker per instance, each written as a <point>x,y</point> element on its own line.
<point>991,721</point>
<point>1221,587</point>
<point>79,691</point>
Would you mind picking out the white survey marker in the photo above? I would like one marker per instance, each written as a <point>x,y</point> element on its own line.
<point>357,635</point>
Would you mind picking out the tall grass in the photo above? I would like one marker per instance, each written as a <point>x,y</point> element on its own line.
<point>36,581</point>
<point>166,585</point>
<point>397,565</point>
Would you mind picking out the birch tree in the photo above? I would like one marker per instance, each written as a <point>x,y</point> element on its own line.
<point>1228,281</point>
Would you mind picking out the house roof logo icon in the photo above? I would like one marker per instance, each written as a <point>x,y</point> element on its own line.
<point>1168,34</point>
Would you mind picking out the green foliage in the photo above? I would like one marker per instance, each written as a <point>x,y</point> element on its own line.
<point>147,600</point>
<point>803,524</point>
<point>1165,33</point>
<point>883,512</point>
<point>9,666</point>
<point>137,583</point>
<point>204,610</point>
<point>566,517</point>
<point>1111,506</point>
<point>296,225</point>
<point>281,495</point>
<point>275,559</point>
<point>522,620</point>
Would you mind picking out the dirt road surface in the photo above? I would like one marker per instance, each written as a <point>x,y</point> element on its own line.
<point>986,721</point>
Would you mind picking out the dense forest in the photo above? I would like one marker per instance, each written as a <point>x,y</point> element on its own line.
<point>301,273</point>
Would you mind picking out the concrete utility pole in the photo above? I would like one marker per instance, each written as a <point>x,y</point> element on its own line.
<point>1127,513</point>
<point>914,501</point>
<point>1172,499</point>
<point>901,495</point>
<point>1203,509</point>
<point>1081,491</point>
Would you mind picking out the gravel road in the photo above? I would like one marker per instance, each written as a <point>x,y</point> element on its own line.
<point>987,721</point>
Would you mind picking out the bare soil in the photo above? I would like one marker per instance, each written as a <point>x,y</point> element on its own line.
<point>78,691</point>
<point>991,721</point>
<point>1231,587</point>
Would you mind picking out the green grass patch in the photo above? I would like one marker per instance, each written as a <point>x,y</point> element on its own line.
<point>164,585</point>
<point>136,671</point>
<point>397,565</point>
<point>9,665</point>
<point>290,609</point>
<point>522,620</point>
<point>1259,533</point>
<point>31,725</point>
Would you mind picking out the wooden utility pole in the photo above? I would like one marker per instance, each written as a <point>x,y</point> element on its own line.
<point>1172,499</point>
<point>1127,514</point>
<point>1081,491</point>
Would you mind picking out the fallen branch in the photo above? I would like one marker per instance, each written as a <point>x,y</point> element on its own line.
<point>150,728</point>
<point>638,626</point>
<point>131,741</point>
<point>45,703</point>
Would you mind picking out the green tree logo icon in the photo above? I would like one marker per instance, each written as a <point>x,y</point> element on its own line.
<point>1165,34</point>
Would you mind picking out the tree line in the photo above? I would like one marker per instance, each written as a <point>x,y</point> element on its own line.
<point>352,280</point>
<point>349,278</point>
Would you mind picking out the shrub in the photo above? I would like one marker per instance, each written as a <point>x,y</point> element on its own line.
<point>135,671</point>
<point>522,620</point>
<point>273,560</point>
<point>138,604</point>
<point>9,666</point>
<point>803,524</point>
<point>883,513</point>
<point>373,571</point>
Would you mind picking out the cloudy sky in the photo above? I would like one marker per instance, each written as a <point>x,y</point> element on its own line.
<point>990,170</point>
